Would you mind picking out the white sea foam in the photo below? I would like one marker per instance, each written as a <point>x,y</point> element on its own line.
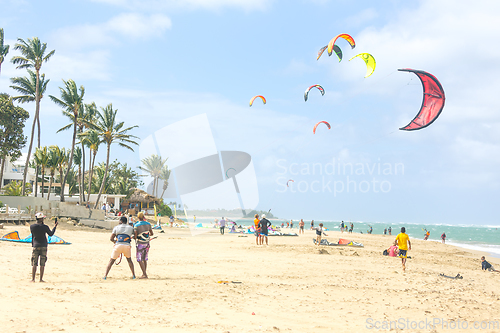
<point>494,250</point>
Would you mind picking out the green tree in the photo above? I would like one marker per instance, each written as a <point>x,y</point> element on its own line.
<point>92,141</point>
<point>72,102</point>
<point>164,175</point>
<point>26,86</point>
<point>110,131</point>
<point>15,188</point>
<point>153,165</point>
<point>33,55</point>
<point>78,162</point>
<point>61,159</point>
<point>125,179</point>
<point>12,140</point>
<point>4,49</point>
<point>52,161</point>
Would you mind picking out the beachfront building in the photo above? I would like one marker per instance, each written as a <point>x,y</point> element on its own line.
<point>140,201</point>
<point>13,171</point>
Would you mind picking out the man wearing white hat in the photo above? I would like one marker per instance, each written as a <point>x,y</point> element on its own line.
<point>40,244</point>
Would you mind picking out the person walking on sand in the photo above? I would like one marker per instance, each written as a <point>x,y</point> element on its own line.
<point>389,230</point>
<point>443,237</point>
<point>142,233</point>
<point>404,245</point>
<point>39,230</point>
<point>258,238</point>
<point>486,266</point>
<point>319,232</point>
<point>312,224</point>
<point>301,226</point>
<point>222,225</point>
<point>263,225</point>
<point>121,236</point>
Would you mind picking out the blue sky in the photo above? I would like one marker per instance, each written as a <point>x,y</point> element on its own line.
<point>159,62</point>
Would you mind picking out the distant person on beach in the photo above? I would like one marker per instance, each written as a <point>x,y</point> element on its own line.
<point>263,225</point>
<point>288,224</point>
<point>385,231</point>
<point>342,226</point>
<point>404,245</point>
<point>122,237</point>
<point>312,224</point>
<point>282,224</point>
<point>143,232</point>
<point>171,221</point>
<point>390,230</point>
<point>427,234</point>
<point>301,226</point>
<point>194,218</point>
<point>443,237</point>
<point>258,237</point>
<point>39,230</point>
<point>352,227</point>
<point>319,232</point>
<point>291,224</point>
<point>130,220</point>
<point>370,231</point>
<point>222,225</point>
<point>486,266</point>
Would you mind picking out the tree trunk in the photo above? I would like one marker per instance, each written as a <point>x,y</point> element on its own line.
<point>43,179</point>
<point>82,187</point>
<point>1,173</point>
<point>104,178</point>
<point>80,182</point>
<point>29,154</point>
<point>50,184</point>
<point>91,172</point>
<point>165,185</point>
<point>70,156</point>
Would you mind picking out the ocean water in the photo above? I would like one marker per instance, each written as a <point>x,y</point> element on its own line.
<point>484,238</point>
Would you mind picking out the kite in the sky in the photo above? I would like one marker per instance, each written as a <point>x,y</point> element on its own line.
<point>324,122</point>
<point>348,38</point>
<point>336,49</point>
<point>320,88</point>
<point>290,180</point>
<point>261,97</point>
<point>369,61</point>
<point>228,170</point>
<point>432,103</point>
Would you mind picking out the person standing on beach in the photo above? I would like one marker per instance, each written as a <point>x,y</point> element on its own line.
<point>263,225</point>
<point>312,224</point>
<point>385,231</point>
<point>390,230</point>
<point>301,226</point>
<point>443,237</point>
<point>291,224</point>
<point>122,237</point>
<point>39,230</point>
<point>142,232</point>
<point>352,227</point>
<point>222,225</point>
<point>258,238</point>
<point>404,245</point>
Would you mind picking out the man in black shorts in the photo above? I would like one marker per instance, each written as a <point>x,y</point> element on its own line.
<point>263,225</point>
<point>40,244</point>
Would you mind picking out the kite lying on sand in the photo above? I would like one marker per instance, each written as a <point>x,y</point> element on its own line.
<point>14,237</point>
<point>342,242</point>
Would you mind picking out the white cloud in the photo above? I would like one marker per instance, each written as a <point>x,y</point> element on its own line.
<point>128,25</point>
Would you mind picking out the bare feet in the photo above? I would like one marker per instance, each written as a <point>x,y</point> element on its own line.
<point>32,281</point>
<point>42,281</point>
<point>143,277</point>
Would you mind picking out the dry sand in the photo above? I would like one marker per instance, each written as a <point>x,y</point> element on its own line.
<point>288,286</point>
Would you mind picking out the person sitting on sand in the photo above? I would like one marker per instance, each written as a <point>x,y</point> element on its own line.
<point>122,237</point>
<point>40,244</point>
<point>486,266</point>
<point>319,232</point>
<point>393,250</point>
<point>404,245</point>
<point>443,237</point>
<point>263,225</point>
<point>143,232</point>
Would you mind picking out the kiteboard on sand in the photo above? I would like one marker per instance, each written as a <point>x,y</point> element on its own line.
<point>14,237</point>
<point>342,242</point>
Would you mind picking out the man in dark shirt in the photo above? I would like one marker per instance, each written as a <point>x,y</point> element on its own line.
<point>263,225</point>
<point>40,244</point>
<point>486,266</point>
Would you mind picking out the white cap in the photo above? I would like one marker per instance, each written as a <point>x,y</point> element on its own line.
<point>39,215</point>
<point>263,216</point>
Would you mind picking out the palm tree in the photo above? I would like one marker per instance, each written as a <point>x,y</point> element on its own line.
<point>26,86</point>
<point>61,158</point>
<point>71,100</point>
<point>41,160</point>
<point>14,188</point>
<point>4,49</point>
<point>153,165</point>
<point>111,131</point>
<point>91,139</point>
<point>164,175</point>
<point>53,158</point>
<point>32,56</point>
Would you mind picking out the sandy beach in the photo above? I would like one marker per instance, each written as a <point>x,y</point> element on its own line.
<point>288,286</point>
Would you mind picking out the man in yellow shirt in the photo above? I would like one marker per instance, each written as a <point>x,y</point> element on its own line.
<point>404,245</point>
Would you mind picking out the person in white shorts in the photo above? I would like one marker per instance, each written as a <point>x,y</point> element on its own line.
<point>122,237</point>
